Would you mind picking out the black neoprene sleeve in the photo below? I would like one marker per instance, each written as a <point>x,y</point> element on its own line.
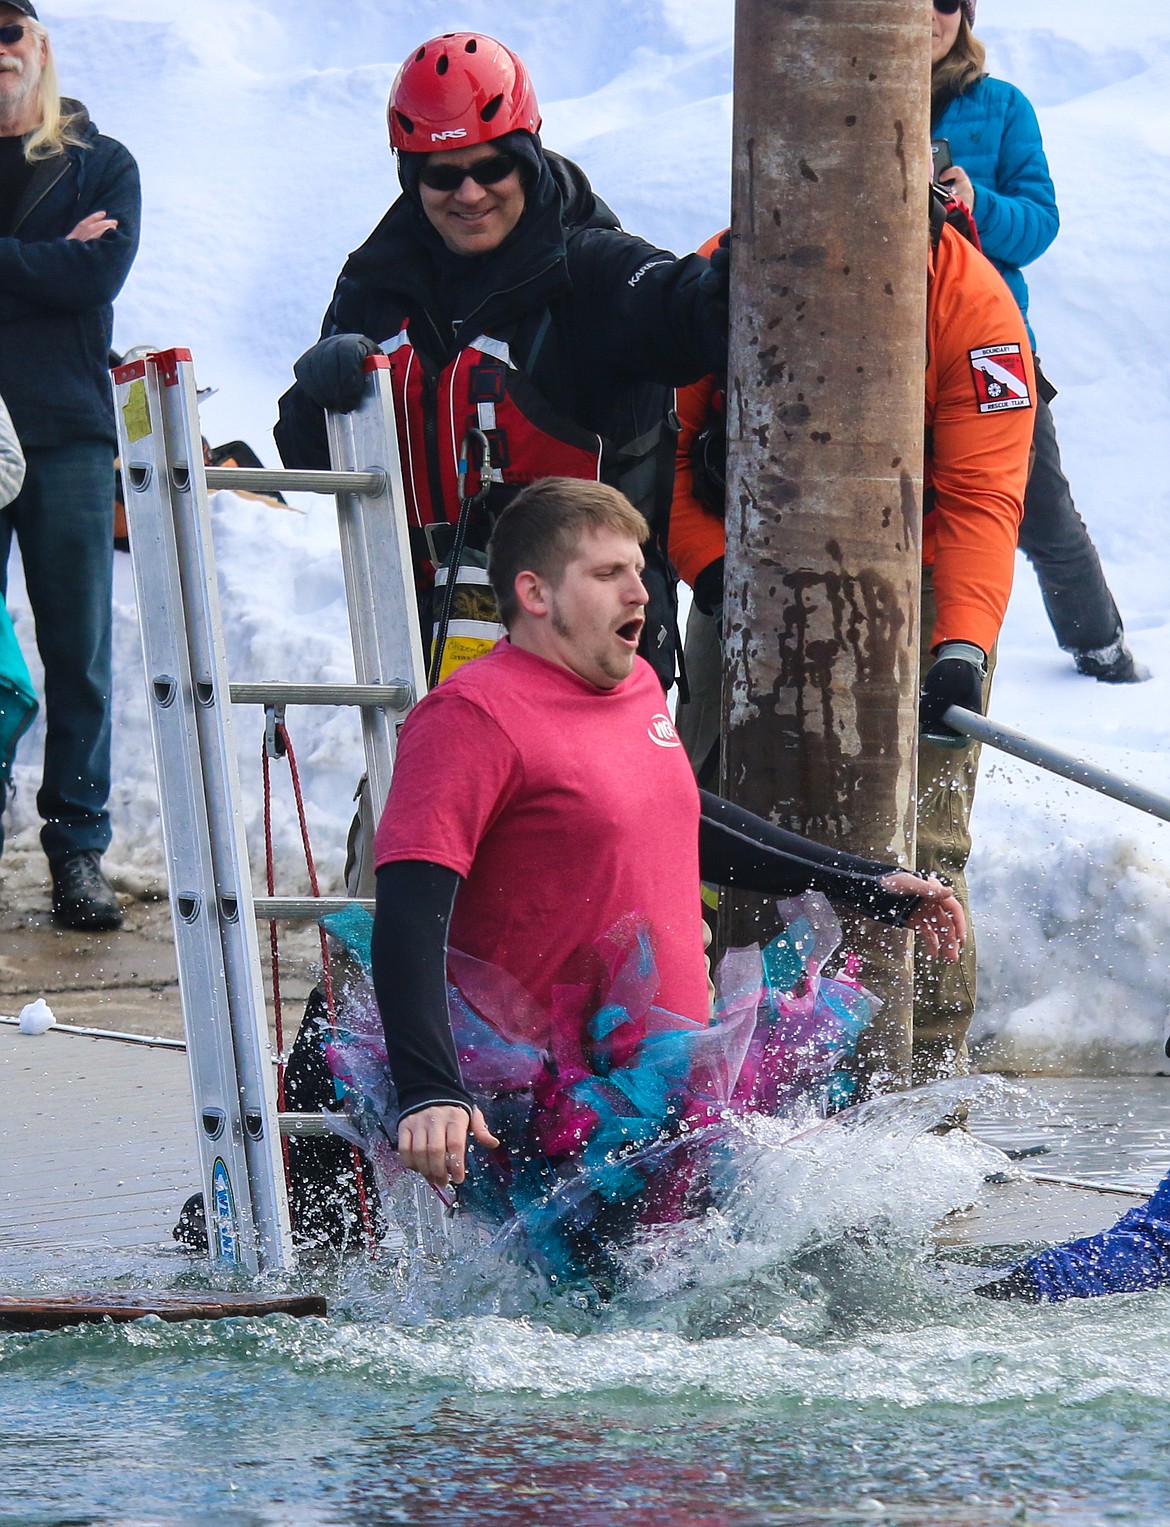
<point>737,848</point>
<point>411,918</point>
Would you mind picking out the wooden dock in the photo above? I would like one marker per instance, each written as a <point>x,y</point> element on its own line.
<point>97,1140</point>
<point>1031,1209</point>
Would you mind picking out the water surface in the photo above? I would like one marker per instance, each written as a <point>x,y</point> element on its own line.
<point>805,1357</point>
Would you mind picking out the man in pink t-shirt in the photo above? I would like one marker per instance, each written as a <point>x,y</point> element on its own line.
<point>543,820</point>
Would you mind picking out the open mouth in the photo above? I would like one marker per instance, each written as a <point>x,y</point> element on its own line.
<point>632,630</point>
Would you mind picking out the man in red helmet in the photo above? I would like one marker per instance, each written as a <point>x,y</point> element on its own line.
<point>511,304</point>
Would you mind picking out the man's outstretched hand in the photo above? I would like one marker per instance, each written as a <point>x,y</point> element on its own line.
<point>938,918</point>
<point>433,1142</point>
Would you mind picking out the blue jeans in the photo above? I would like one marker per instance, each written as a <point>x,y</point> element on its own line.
<point>63,519</point>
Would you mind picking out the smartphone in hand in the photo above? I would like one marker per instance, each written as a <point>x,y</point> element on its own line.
<point>940,154</point>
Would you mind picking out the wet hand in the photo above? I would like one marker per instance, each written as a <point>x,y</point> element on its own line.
<point>93,227</point>
<point>938,919</point>
<point>958,183</point>
<point>433,1142</point>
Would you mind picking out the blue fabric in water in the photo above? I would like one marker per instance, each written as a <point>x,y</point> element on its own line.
<point>1131,1256</point>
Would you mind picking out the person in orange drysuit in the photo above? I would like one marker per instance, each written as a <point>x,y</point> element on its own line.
<point>980,395</point>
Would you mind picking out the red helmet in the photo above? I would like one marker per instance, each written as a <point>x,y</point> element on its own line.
<point>460,89</point>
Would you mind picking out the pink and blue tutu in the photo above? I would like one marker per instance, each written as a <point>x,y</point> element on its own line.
<point>611,1112</point>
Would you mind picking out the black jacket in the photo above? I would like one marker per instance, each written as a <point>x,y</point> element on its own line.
<point>624,314</point>
<point>56,294</point>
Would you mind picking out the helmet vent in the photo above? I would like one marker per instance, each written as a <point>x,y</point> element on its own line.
<point>491,108</point>
<point>420,55</point>
<point>470,45</point>
<point>404,122</point>
<point>443,65</point>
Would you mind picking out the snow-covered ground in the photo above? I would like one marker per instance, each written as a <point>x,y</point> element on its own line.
<point>259,128</point>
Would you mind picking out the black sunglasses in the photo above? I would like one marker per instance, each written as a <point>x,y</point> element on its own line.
<point>947,7</point>
<point>12,32</point>
<point>485,172</point>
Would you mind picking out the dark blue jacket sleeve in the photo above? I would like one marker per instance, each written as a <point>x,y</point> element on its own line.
<point>70,275</point>
<point>300,431</point>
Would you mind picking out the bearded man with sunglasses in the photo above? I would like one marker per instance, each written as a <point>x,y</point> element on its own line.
<point>69,214</point>
<point>515,312</point>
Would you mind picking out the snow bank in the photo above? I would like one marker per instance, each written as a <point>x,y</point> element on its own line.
<point>259,128</point>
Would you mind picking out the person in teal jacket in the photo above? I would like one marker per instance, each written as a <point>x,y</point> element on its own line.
<point>18,702</point>
<point>999,171</point>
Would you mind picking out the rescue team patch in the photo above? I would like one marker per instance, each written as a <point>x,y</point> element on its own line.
<point>1001,379</point>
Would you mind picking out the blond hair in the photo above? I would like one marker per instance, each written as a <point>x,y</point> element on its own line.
<point>540,530</point>
<point>961,67</point>
<point>56,131</point>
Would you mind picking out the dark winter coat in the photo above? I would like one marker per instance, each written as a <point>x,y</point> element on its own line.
<point>623,313</point>
<point>994,135</point>
<point>56,293</point>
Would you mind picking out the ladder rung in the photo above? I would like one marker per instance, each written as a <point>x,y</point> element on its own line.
<point>279,480</point>
<point>303,1124</point>
<point>304,909</point>
<point>397,696</point>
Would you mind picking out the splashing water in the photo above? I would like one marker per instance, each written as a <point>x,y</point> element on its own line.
<point>788,1358</point>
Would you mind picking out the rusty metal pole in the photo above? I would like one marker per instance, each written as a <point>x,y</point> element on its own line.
<point>825,425</point>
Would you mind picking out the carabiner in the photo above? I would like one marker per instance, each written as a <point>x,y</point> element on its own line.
<point>484,468</point>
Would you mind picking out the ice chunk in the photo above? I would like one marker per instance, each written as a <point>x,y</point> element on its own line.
<point>36,1017</point>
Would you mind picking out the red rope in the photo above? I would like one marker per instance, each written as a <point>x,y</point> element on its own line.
<point>274,947</point>
<point>282,738</point>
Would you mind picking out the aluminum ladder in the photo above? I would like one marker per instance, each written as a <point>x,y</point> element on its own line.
<point>213,909</point>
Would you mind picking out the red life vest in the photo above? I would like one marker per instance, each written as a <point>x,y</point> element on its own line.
<point>481,388</point>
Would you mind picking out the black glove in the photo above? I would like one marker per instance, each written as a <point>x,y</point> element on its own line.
<point>715,282</point>
<point>332,371</point>
<point>708,589</point>
<point>955,678</point>
<point>708,594</point>
<point>714,296</point>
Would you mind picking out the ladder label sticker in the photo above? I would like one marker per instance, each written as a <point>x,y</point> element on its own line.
<point>136,412</point>
<point>1001,379</point>
<point>223,1215</point>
